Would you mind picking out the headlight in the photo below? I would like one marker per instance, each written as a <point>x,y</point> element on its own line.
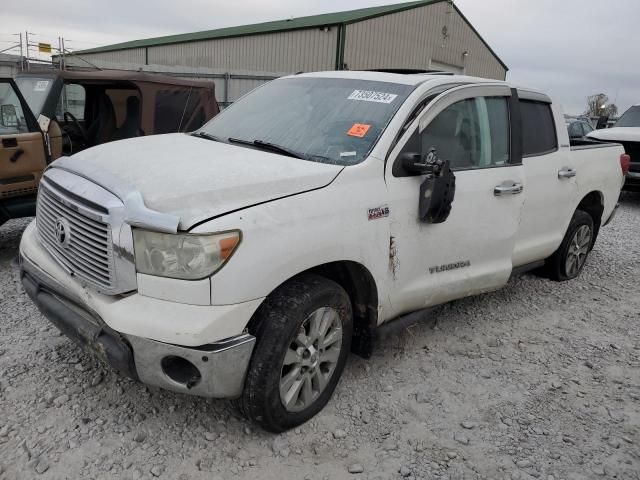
<point>183,256</point>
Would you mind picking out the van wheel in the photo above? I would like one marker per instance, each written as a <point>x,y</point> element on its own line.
<point>568,260</point>
<point>303,337</point>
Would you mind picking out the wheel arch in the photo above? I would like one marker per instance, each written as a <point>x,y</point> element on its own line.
<point>361,287</point>
<point>593,204</point>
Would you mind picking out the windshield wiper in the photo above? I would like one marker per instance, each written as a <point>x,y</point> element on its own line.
<point>207,136</point>
<point>269,146</point>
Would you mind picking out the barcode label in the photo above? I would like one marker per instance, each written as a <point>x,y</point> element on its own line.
<point>369,96</point>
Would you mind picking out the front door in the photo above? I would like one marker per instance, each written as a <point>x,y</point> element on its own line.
<point>471,252</point>
<point>22,152</point>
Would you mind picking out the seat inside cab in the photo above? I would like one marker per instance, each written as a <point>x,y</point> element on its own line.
<point>94,113</point>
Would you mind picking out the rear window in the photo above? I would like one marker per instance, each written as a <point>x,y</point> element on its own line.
<point>538,128</point>
<point>174,108</point>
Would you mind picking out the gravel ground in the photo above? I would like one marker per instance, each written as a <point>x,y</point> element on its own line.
<point>539,380</point>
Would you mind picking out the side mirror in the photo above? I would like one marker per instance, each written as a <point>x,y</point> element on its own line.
<point>9,116</point>
<point>413,163</point>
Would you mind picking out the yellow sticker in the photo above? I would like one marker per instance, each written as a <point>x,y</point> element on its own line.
<point>358,130</point>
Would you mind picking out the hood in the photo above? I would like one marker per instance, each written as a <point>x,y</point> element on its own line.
<point>617,134</point>
<point>195,179</point>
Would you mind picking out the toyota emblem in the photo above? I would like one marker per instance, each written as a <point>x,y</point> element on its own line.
<point>63,232</point>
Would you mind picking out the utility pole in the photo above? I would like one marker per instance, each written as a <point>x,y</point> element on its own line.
<point>26,35</point>
<point>21,54</point>
<point>64,60</point>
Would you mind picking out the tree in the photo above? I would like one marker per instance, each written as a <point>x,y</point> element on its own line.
<point>598,105</point>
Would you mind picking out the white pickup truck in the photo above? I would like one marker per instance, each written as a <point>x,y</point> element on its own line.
<point>627,132</point>
<point>247,259</point>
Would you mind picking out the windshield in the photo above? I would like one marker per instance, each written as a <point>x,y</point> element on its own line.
<point>631,118</point>
<point>35,91</point>
<point>327,120</point>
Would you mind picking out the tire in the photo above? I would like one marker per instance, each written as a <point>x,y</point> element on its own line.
<point>567,261</point>
<point>288,328</point>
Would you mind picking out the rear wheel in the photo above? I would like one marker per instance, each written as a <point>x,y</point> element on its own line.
<point>567,262</point>
<point>303,333</point>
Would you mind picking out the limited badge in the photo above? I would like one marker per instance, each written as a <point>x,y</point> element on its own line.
<point>378,212</point>
<point>358,130</point>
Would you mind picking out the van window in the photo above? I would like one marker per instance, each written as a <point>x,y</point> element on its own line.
<point>538,128</point>
<point>472,133</point>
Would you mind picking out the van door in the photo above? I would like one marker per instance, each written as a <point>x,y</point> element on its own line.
<point>471,251</point>
<point>22,151</point>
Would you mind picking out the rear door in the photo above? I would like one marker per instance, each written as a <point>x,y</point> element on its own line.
<point>471,251</point>
<point>22,151</point>
<point>549,179</point>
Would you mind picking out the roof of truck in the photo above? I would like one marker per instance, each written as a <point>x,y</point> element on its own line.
<point>403,79</point>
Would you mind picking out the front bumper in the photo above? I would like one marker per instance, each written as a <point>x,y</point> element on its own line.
<point>214,370</point>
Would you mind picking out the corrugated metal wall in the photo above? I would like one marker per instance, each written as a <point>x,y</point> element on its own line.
<point>286,52</point>
<point>133,56</point>
<point>409,39</point>
<point>414,38</point>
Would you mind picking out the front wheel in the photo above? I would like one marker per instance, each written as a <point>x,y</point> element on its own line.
<point>567,262</point>
<point>303,336</point>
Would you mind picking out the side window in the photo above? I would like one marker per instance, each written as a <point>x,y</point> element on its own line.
<point>173,110</point>
<point>472,133</point>
<point>538,128</point>
<point>12,118</point>
<point>72,99</point>
<point>575,130</point>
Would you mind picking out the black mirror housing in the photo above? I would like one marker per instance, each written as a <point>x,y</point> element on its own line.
<point>413,164</point>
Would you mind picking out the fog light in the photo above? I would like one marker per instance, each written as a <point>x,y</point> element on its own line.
<point>181,370</point>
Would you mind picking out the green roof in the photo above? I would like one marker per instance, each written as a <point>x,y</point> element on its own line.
<point>313,21</point>
<point>325,19</point>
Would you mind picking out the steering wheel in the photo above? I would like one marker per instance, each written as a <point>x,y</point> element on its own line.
<point>78,130</point>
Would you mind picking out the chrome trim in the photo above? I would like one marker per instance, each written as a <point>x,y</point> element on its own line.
<point>633,174</point>
<point>223,365</point>
<point>508,188</point>
<point>81,201</point>
<point>136,212</point>
<point>567,172</point>
<point>223,372</point>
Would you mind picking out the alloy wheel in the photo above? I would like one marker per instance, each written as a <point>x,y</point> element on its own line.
<point>311,359</point>
<point>578,250</point>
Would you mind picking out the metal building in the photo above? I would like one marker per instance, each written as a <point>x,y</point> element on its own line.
<point>426,34</point>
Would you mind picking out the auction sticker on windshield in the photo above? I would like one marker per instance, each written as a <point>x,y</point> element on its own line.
<point>358,130</point>
<point>369,96</point>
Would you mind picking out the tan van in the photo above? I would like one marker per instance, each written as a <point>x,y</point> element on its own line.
<point>45,115</point>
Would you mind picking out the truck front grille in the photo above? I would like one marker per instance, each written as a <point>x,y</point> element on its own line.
<point>79,242</point>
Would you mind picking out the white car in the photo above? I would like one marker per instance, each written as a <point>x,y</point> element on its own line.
<point>627,132</point>
<point>247,259</point>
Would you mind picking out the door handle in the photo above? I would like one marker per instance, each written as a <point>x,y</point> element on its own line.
<point>16,155</point>
<point>567,172</point>
<point>508,187</point>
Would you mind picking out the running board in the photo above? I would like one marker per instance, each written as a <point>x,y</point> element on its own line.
<point>402,322</point>
<point>527,267</point>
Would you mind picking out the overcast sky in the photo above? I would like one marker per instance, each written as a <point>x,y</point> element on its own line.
<point>569,48</point>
